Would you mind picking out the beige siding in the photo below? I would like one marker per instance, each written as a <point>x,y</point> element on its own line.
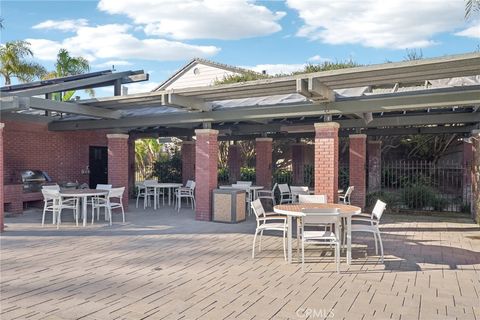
<point>206,77</point>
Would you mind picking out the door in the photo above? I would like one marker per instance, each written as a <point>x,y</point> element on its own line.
<point>98,165</point>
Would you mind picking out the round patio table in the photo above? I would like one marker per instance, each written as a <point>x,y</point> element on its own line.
<point>295,210</point>
<point>82,194</point>
<point>159,185</point>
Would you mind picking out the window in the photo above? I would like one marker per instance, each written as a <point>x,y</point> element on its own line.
<point>196,71</point>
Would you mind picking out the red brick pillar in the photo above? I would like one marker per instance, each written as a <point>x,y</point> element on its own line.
<point>298,163</point>
<point>374,155</point>
<point>326,160</point>
<point>2,125</point>
<point>131,164</point>
<point>188,161</point>
<point>206,171</point>
<point>234,162</point>
<point>118,163</point>
<point>358,168</point>
<point>475,203</point>
<point>263,162</point>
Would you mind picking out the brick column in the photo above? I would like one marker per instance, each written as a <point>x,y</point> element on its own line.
<point>206,171</point>
<point>131,164</point>
<point>234,162</point>
<point>357,168</point>
<point>2,125</point>
<point>263,162</point>
<point>118,163</point>
<point>326,160</point>
<point>374,155</point>
<point>475,203</point>
<point>298,163</point>
<point>188,161</point>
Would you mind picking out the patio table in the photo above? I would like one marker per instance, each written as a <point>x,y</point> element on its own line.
<point>83,194</point>
<point>157,186</point>
<point>295,210</point>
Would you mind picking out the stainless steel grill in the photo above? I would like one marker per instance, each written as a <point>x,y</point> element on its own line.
<point>33,180</point>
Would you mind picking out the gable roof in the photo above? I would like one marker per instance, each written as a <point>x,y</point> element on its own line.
<point>210,63</point>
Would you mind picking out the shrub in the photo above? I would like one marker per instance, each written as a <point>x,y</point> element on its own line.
<point>419,196</point>
<point>247,174</point>
<point>390,198</point>
<point>223,175</point>
<point>282,176</point>
<point>168,168</point>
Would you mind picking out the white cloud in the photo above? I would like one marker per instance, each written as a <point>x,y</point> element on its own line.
<point>274,69</point>
<point>471,32</point>
<point>112,41</point>
<point>396,24</point>
<point>318,59</point>
<point>194,19</point>
<point>63,25</point>
<point>110,63</point>
<point>140,87</point>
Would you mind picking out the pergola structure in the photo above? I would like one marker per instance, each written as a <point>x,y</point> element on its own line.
<point>423,96</point>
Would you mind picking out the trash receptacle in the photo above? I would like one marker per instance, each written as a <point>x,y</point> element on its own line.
<point>229,205</point>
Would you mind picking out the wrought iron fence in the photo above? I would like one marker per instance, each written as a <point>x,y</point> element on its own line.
<point>424,186</point>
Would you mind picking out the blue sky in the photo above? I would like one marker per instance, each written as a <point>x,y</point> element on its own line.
<point>161,36</point>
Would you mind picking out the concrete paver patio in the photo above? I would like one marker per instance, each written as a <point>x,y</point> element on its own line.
<point>164,265</point>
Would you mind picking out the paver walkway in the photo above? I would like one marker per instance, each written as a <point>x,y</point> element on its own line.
<point>164,265</point>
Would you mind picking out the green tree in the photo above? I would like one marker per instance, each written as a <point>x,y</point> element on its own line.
<point>66,65</point>
<point>147,152</point>
<point>328,66</point>
<point>14,63</point>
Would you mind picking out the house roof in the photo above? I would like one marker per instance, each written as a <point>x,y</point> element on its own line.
<point>195,61</point>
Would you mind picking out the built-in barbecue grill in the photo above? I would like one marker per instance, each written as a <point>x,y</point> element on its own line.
<point>33,180</point>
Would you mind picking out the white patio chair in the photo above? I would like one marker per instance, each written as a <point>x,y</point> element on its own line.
<point>103,187</point>
<point>285,194</point>
<point>321,216</point>
<point>187,186</point>
<point>372,225</point>
<point>345,198</point>
<point>298,190</point>
<point>116,194</point>
<point>148,193</point>
<point>265,222</point>
<point>98,198</point>
<point>187,193</point>
<point>51,187</point>
<point>268,194</point>
<point>248,183</point>
<point>53,203</point>
<point>312,198</point>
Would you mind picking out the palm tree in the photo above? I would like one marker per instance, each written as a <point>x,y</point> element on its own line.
<point>470,7</point>
<point>67,65</point>
<point>13,63</point>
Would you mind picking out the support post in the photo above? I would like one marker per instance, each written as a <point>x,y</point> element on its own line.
<point>131,164</point>
<point>188,161</point>
<point>206,171</point>
<point>357,168</point>
<point>475,203</point>
<point>263,162</point>
<point>374,154</point>
<point>298,163</point>
<point>234,162</point>
<point>2,125</point>
<point>326,160</point>
<point>118,163</point>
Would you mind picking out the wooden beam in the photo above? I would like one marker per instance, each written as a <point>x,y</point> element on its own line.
<point>302,88</point>
<point>73,108</point>
<point>190,103</point>
<point>320,91</point>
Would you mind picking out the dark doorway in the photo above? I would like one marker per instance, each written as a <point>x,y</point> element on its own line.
<point>98,165</point>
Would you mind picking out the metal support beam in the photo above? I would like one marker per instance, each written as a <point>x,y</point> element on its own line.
<point>187,102</point>
<point>73,108</point>
<point>320,91</point>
